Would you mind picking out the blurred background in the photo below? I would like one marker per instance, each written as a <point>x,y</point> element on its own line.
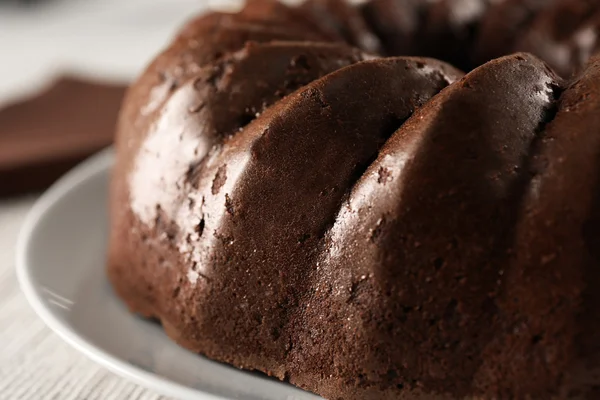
<point>108,39</point>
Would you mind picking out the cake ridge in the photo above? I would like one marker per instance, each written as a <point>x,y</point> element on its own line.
<point>365,230</point>
<point>201,99</point>
<point>364,227</point>
<point>549,165</point>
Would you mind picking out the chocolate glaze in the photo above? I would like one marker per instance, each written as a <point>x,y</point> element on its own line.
<point>368,228</point>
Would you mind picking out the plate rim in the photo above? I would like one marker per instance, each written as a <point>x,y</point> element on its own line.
<point>69,182</point>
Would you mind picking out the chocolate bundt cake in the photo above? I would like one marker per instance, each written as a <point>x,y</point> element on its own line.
<point>308,192</point>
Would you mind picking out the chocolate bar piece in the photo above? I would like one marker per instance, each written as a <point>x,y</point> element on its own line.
<point>44,136</point>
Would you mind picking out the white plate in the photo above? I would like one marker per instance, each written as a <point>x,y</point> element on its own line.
<point>60,263</point>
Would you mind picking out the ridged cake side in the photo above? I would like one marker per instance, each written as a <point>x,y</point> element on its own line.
<point>158,157</point>
<point>370,228</point>
<point>413,266</point>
